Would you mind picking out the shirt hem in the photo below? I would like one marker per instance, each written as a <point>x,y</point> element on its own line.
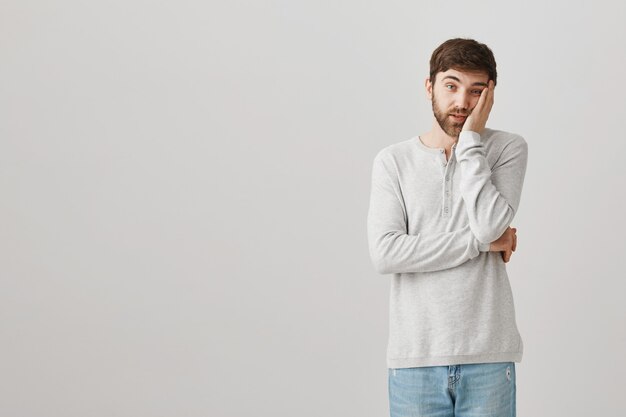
<point>454,359</point>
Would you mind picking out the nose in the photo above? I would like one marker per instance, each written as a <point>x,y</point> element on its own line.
<point>462,102</point>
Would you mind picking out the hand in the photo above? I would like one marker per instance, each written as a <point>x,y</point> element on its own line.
<point>478,117</point>
<point>507,243</point>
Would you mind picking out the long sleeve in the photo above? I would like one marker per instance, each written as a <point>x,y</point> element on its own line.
<point>491,197</point>
<point>392,249</point>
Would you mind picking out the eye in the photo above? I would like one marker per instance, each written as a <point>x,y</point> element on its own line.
<point>478,91</point>
<point>449,85</point>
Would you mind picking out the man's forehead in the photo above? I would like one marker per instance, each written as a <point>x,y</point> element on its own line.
<point>465,77</point>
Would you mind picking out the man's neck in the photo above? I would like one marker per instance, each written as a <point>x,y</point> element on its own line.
<point>435,142</point>
<point>436,138</point>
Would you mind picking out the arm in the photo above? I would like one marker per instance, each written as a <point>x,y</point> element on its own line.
<point>392,250</point>
<point>491,197</point>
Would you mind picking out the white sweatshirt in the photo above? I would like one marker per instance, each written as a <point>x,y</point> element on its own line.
<point>430,224</point>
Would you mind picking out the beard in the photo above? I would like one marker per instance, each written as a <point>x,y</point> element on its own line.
<point>447,124</point>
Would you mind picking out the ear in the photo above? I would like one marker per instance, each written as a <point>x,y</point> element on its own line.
<point>429,88</point>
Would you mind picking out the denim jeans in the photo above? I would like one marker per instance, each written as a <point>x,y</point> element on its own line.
<point>467,390</point>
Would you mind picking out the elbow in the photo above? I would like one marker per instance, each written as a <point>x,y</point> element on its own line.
<point>487,233</point>
<point>386,256</point>
<point>490,229</point>
<point>383,269</point>
<point>380,263</point>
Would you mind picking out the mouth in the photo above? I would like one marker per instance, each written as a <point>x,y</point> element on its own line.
<point>458,118</point>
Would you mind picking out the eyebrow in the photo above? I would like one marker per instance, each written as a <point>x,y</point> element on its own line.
<point>478,83</point>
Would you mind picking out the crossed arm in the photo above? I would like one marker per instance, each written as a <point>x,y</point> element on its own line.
<point>491,199</point>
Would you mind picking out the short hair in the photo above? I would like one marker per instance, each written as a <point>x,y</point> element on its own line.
<point>463,55</point>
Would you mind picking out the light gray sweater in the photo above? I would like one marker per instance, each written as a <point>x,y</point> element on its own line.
<point>430,224</point>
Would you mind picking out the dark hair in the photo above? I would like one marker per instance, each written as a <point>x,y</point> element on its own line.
<point>463,55</point>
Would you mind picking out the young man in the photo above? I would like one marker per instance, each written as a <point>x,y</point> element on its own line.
<point>439,220</point>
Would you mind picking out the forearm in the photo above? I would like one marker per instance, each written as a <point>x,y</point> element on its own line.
<point>491,199</point>
<point>396,252</point>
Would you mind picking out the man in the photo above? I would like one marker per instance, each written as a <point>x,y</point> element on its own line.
<point>439,220</point>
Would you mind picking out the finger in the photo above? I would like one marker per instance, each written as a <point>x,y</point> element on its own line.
<point>481,101</point>
<point>484,97</point>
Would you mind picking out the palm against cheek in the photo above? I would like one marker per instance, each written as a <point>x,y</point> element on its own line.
<point>477,120</point>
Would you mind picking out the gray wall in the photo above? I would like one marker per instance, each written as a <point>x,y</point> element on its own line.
<point>184,189</point>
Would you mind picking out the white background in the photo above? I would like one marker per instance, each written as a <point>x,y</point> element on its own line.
<point>184,191</point>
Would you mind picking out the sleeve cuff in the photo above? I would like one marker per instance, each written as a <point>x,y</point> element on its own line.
<point>484,247</point>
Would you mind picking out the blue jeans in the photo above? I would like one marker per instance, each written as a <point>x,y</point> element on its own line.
<point>467,390</point>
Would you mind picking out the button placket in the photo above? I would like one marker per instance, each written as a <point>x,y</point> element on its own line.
<point>447,188</point>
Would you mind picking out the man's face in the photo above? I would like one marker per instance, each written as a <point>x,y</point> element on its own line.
<point>455,93</point>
